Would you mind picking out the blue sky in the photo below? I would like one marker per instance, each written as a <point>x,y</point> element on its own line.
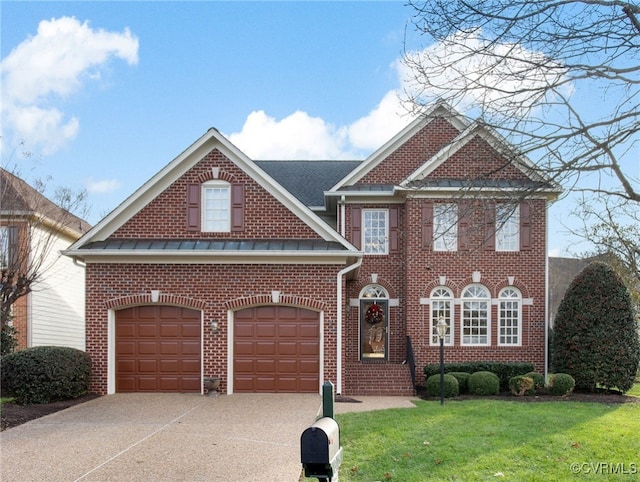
<point>141,81</point>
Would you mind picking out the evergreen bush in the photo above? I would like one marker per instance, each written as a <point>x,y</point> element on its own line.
<point>595,336</point>
<point>45,374</point>
<point>463,380</point>
<point>504,370</point>
<point>561,384</point>
<point>538,379</point>
<point>484,383</point>
<point>451,388</point>
<point>522,385</point>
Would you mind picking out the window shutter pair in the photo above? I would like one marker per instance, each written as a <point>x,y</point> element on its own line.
<point>394,228</point>
<point>490,227</point>
<point>193,207</point>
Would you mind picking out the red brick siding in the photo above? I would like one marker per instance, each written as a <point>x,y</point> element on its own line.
<point>217,288</point>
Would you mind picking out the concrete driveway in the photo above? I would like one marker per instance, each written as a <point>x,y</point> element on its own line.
<point>170,437</point>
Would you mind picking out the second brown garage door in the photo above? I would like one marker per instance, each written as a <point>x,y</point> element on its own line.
<point>158,349</point>
<point>276,349</point>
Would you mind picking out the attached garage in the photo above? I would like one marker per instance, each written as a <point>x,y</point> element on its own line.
<point>276,349</point>
<point>158,349</point>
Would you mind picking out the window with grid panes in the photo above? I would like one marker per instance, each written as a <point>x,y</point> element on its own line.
<point>475,315</point>
<point>509,316</point>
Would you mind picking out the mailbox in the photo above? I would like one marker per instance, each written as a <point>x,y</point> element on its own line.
<point>320,449</point>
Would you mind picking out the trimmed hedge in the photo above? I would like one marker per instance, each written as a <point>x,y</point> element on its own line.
<point>504,370</point>
<point>538,379</point>
<point>463,380</point>
<point>45,374</point>
<point>561,384</point>
<point>451,388</point>
<point>521,385</point>
<point>484,383</point>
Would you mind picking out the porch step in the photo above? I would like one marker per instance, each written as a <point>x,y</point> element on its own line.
<point>377,379</point>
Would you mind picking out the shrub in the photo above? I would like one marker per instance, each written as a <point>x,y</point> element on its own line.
<point>538,379</point>
<point>45,374</point>
<point>463,380</point>
<point>561,384</point>
<point>504,370</point>
<point>450,386</point>
<point>522,385</point>
<point>595,336</point>
<point>484,383</point>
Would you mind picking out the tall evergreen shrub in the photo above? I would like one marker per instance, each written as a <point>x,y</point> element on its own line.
<point>595,335</point>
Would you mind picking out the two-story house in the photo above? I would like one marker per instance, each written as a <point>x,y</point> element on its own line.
<point>33,232</point>
<point>278,275</point>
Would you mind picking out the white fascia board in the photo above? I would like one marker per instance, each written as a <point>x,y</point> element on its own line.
<point>485,192</point>
<point>439,109</point>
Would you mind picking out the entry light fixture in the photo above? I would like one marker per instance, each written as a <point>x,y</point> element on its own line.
<point>214,326</point>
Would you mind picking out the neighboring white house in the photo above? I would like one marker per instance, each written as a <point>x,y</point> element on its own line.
<point>33,232</point>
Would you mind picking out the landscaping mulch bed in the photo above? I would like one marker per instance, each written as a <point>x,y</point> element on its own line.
<point>601,396</point>
<point>12,414</point>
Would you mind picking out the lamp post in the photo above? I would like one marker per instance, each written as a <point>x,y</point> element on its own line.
<point>442,331</point>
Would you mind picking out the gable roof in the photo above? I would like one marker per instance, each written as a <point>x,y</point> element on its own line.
<point>19,199</point>
<point>212,139</point>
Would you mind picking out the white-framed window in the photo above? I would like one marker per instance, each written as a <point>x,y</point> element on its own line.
<point>4,246</point>
<point>374,322</point>
<point>507,227</point>
<point>476,311</point>
<point>509,316</point>
<point>445,227</point>
<point>375,234</point>
<point>216,207</point>
<point>441,300</point>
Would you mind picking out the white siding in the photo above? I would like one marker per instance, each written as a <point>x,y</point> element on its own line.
<point>57,301</point>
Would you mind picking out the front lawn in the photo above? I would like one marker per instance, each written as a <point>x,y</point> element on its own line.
<point>485,439</point>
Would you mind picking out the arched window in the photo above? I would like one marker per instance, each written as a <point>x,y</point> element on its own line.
<point>441,300</point>
<point>476,322</point>
<point>374,322</point>
<point>509,316</point>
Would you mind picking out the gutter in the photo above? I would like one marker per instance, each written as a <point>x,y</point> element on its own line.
<point>341,273</point>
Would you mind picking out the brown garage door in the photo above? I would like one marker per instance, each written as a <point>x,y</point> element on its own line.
<point>157,349</point>
<point>276,349</point>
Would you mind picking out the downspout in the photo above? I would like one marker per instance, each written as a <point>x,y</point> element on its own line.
<point>343,211</point>
<point>546,299</point>
<point>341,273</point>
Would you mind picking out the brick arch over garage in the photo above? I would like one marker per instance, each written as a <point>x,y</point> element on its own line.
<point>145,299</point>
<point>267,299</point>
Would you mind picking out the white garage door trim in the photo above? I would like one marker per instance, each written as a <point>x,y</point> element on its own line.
<point>230,338</point>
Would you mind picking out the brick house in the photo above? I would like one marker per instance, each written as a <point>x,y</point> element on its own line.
<point>278,275</point>
<point>33,232</point>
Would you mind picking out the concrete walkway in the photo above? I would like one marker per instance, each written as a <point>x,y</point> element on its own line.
<point>170,437</point>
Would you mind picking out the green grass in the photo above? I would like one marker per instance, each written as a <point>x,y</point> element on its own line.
<point>491,440</point>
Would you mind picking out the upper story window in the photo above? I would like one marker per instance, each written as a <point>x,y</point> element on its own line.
<point>4,246</point>
<point>509,316</point>
<point>441,307</point>
<point>445,227</point>
<point>507,227</point>
<point>376,231</point>
<point>216,206</point>
<point>475,315</point>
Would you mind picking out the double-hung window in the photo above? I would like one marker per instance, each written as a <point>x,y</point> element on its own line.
<point>375,234</point>
<point>445,227</point>
<point>507,227</point>
<point>509,316</point>
<point>216,206</point>
<point>475,315</point>
<point>4,246</point>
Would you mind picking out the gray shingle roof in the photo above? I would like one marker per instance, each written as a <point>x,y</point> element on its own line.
<point>307,180</point>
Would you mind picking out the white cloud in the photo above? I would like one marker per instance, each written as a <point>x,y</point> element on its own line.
<point>499,77</point>
<point>300,136</point>
<point>104,186</point>
<point>47,68</point>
